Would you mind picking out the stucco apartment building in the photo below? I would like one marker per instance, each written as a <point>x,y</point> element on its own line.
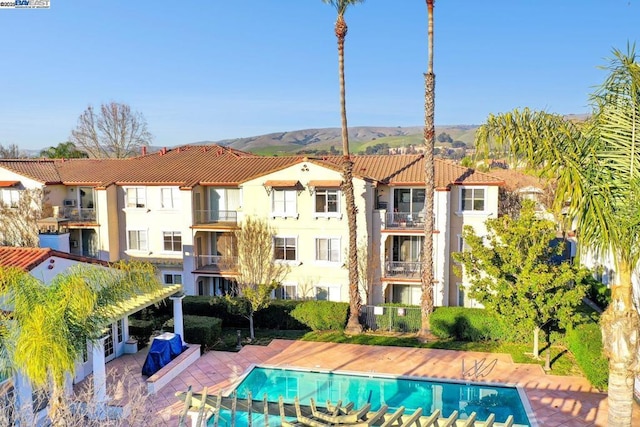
<point>178,209</point>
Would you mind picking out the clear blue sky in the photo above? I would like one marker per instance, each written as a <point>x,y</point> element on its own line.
<point>209,70</point>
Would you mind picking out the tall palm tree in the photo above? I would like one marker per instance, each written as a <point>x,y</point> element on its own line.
<point>53,322</point>
<point>355,302</point>
<point>598,170</point>
<point>426,300</point>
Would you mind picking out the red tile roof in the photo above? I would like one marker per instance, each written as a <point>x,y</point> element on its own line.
<point>29,258</point>
<point>216,165</point>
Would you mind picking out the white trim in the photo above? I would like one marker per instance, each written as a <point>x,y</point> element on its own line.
<point>471,212</point>
<point>175,199</point>
<point>295,261</point>
<point>179,251</point>
<point>326,214</point>
<point>144,197</point>
<point>327,263</point>
<point>129,250</point>
<point>287,213</point>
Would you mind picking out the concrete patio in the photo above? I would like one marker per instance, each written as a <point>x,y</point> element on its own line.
<point>555,400</point>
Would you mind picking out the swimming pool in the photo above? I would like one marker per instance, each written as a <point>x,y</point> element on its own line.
<point>378,389</point>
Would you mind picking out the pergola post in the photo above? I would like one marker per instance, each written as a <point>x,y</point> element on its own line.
<point>178,318</point>
<point>99,376</point>
<point>24,399</point>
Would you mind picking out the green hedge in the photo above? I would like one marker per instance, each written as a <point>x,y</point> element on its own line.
<point>469,324</point>
<point>322,315</point>
<point>585,343</point>
<point>141,330</point>
<point>278,316</point>
<point>202,330</point>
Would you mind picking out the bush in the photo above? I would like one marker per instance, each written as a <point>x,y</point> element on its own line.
<point>202,330</point>
<point>141,330</point>
<point>598,292</point>
<point>469,324</point>
<point>585,343</point>
<point>322,315</point>
<point>278,316</point>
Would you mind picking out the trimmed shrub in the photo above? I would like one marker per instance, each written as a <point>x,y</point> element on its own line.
<point>469,324</point>
<point>322,315</point>
<point>202,330</point>
<point>141,330</point>
<point>598,292</point>
<point>585,343</point>
<point>278,316</point>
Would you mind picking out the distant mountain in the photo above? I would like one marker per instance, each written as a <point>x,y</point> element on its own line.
<point>323,139</point>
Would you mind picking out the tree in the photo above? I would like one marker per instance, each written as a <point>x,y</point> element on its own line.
<point>259,274</point>
<point>64,150</point>
<point>426,276</point>
<point>112,132</point>
<point>516,272</point>
<point>355,302</point>
<point>52,323</point>
<point>18,215</point>
<point>368,264</point>
<point>11,151</point>
<point>443,136</point>
<point>596,164</point>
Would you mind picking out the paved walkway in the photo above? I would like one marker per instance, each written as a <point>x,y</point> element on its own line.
<point>555,400</point>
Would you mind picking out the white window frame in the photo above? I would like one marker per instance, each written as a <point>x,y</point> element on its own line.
<point>170,200</point>
<point>173,234</point>
<point>173,276</point>
<point>325,213</point>
<point>472,211</point>
<point>139,198</point>
<point>286,291</point>
<point>10,197</point>
<point>333,292</point>
<point>290,197</point>
<point>289,261</point>
<point>139,233</point>
<point>331,240</point>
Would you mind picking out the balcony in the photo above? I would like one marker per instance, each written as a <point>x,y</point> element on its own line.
<point>405,220</point>
<point>80,214</point>
<point>216,263</point>
<point>203,217</point>
<point>403,269</point>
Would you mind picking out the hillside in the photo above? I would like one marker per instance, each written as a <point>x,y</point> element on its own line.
<point>359,139</point>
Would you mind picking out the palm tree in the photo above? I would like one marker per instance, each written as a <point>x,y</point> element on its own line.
<point>426,300</point>
<point>64,150</point>
<point>52,323</point>
<point>353,324</point>
<point>597,167</point>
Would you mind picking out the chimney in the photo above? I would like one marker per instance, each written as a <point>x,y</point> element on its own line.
<point>163,151</point>
<point>144,150</point>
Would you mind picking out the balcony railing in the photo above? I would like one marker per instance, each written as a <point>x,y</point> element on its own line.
<point>405,220</point>
<point>215,217</point>
<point>80,214</point>
<point>407,270</point>
<point>217,263</point>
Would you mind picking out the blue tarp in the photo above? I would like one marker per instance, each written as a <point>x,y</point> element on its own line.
<point>164,348</point>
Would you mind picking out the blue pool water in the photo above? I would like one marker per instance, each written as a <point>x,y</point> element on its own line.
<point>411,393</point>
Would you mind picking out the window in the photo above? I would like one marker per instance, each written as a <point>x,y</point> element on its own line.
<point>10,198</point>
<point>406,294</point>
<point>328,249</point>
<point>172,241</point>
<point>284,202</point>
<point>327,201</point>
<point>136,197</point>
<point>286,292</point>
<point>472,199</point>
<point>285,249</point>
<point>408,200</point>
<point>172,279</point>
<point>120,326</point>
<point>138,240</point>
<point>170,197</point>
<point>327,293</point>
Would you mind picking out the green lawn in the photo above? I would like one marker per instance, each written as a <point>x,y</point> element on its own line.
<point>562,361</point>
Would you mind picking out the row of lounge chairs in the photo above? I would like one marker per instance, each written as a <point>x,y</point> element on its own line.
<point>338,415</point>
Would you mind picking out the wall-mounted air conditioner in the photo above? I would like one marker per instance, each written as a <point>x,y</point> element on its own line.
<point>69,202</point>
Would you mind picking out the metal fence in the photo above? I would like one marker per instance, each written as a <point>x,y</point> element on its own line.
<point>391,318</point>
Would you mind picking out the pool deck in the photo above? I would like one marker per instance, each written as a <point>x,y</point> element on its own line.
<point>555,400</point>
